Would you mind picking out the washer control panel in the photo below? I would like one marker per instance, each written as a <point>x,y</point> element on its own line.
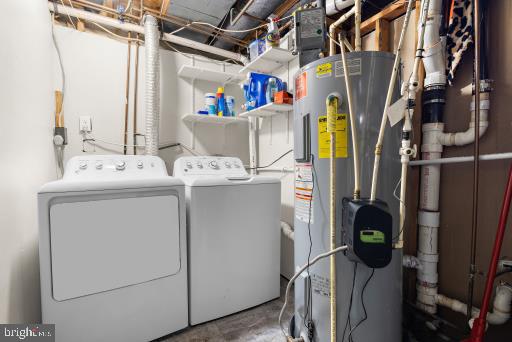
<point>114,167</point>
<point>209,166</point>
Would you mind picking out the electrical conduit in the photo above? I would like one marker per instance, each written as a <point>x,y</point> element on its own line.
<point>152,98</point>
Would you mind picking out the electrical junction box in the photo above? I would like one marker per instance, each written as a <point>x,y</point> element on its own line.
<point>367,230</point>
<point>310,29</point>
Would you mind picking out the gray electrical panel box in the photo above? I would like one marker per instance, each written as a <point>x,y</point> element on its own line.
<point>309,34</point>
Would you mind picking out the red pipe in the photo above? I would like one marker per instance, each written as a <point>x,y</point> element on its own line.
<point>478,331</point>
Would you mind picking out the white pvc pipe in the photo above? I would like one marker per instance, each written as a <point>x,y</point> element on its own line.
<point>465,159</point>
<point>335,6</point>
<point>152,71</point>
<point>332,29</point>
<point>357,25</point>
<point>501,306</point>
<point>128,27</point>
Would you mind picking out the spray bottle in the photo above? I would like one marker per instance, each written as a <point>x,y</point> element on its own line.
<point>272,38</point>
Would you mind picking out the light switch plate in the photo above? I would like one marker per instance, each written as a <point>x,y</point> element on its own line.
<point>85,124</point>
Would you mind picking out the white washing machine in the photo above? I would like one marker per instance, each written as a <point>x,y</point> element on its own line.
<point>233,236</point>
<point>112,247</point>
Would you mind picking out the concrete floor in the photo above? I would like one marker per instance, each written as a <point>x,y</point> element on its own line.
<point>258,324</point>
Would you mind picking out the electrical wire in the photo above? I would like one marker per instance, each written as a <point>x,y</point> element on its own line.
<point>117,35</point>
<point>190,55</point>
<point>272,163</point>
<point>362,303</point>
<point>189,149</point>
<point>93,139</point>
<point>226,30</point>
<point>309,304</point>
<point>347,323</point>
<point>295,276</point>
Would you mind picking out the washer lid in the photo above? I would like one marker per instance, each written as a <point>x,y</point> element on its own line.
<point>104,242</point>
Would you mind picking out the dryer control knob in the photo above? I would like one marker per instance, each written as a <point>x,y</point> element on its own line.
<point>189,165</point>
<point>83,165</point>
<point>213,164</point>
<point>99,165</point>
<point>120,165</point>
<point>228,165</point>
<point>140,164</point>
<point>199,165</point>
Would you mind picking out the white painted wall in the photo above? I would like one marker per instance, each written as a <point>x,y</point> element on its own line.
<point>26,107</point>
<point>95,69</point>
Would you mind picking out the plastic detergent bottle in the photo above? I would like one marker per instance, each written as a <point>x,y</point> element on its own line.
<point>221,102</point>
<point>271,89</point>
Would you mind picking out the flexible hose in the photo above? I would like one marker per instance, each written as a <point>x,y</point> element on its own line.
<point>292,280</point>
<point>353,128</point>
<point>332,109</point>
<point>380,139</point>
<point>152,39</point>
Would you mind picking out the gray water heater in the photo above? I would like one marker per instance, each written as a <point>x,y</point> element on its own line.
<point>373,296</point>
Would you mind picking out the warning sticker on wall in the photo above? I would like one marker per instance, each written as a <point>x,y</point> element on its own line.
<point>324,70</point>
<point>324,137</point>
<point>304,192</point>
<point>301,86</point>
<point>353,66</point>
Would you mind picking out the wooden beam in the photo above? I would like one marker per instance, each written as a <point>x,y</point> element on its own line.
<point>382,35</point>
<point>165,6</point>
<point>389,13</point>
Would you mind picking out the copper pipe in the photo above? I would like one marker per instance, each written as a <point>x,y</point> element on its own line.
<point>127,99</point>
<point>136,82</point>
<point>476,163</point>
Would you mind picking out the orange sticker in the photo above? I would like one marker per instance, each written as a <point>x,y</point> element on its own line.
<point>301,86</point>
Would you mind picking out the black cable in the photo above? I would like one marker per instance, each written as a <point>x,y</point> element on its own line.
<point>269,165</point>
<point>309,303</point>
<point>347,323</point>
<point>362,302</point>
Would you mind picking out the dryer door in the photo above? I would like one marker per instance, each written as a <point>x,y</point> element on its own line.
<point>100,243</point>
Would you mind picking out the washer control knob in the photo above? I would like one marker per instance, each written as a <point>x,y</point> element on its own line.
<point>189,165</point>
<point>99,165</point>
<point>237,166</point>
<point>83,165</point>
<point>120,165</point>
<point>228,164</point>
<point>140,164</point>
<point>199,165</point>
<point>213,164</point>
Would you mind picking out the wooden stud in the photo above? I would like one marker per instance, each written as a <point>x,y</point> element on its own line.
<point>80,26</point>
<point>382,35</point>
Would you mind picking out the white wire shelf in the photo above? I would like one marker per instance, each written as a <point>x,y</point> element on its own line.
<point>270,60</point>
<point>213,120</point>
<point>270,109</point>
<point>198,73</point>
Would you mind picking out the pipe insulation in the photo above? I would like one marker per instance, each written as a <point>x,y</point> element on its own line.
<point>152,96</point>
<point>129,27</point>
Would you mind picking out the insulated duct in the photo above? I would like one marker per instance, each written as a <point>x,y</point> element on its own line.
<point>152,97</point>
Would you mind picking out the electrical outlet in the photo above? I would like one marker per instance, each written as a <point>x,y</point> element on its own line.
<point>85,124</point>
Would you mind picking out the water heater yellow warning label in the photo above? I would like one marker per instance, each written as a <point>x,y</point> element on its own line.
<point>324,137</point>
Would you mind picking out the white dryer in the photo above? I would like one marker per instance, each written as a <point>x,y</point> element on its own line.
<point>112,247</point>
<point>233,236</point>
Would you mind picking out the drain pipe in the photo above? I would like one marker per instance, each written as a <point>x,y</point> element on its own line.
<point>434,138</point>
<point>152,39</point>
